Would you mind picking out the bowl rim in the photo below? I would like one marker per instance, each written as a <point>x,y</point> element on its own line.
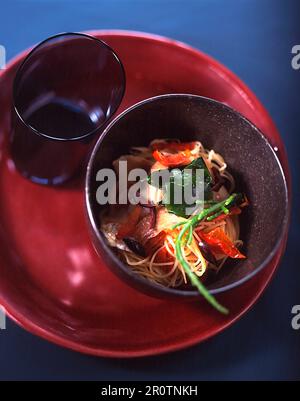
<point>121,265</point>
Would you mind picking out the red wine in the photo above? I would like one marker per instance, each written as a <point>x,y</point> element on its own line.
<point>60,118</point>
<point>54,160</point>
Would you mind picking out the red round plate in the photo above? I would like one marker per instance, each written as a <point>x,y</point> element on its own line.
<point>52,282</point>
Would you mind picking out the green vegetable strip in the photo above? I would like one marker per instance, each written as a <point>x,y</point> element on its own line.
<point>179,224</point>
<point>212,217</point>
<point>190,237</point>
<point>225,210</point>
<point>194,279</point>
<point>189,225</point>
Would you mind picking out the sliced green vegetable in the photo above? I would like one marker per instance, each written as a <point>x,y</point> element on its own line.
<point>179,178</point>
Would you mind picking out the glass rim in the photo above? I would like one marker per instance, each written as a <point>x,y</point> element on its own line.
<point>29,55</point>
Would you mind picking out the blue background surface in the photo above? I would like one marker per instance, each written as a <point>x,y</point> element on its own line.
<point>254,39</point>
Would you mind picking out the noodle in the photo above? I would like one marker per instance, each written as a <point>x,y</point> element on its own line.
<point>169,272</point>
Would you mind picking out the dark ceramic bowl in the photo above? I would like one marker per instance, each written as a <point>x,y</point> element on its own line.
<point>249,156</point>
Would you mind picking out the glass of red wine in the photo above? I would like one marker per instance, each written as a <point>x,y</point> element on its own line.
<point>64,93</point>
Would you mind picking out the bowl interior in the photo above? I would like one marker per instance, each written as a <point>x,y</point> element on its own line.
<point>249,156</point>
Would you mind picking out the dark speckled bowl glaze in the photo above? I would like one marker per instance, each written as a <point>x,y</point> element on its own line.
<point>250,159</point>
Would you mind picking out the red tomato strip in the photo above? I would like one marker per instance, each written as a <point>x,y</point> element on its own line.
<point>173,160</point>
<point>221,244</point>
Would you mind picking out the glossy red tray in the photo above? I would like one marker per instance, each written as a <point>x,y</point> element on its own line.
<point>52,282</point>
